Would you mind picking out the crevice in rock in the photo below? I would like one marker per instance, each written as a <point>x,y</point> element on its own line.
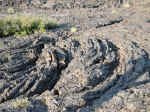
<point>112,22</point>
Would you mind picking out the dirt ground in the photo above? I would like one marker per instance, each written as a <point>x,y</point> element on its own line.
<point>101,66</point>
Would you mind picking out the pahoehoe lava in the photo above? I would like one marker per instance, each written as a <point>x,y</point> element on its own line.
<point>98,69</point>
<point>76,74</point>
<point>31,69</point>
<point>93,63</point>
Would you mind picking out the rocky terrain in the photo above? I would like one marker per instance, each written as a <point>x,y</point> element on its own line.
<point>102,66</point>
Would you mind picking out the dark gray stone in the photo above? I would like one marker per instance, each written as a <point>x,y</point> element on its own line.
<point>31,70</point>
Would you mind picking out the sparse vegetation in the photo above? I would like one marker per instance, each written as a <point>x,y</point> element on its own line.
<point>19,103</point>
<point>22,26</point>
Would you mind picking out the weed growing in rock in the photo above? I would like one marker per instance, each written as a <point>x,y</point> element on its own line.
<point>10,10</point>
<point>73,29</point>
<point>22,26</point>
<point>19,103</point>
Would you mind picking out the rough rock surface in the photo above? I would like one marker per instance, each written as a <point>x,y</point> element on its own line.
<point>30,69</point>
<point>102,67</point>
<point>55,4</point>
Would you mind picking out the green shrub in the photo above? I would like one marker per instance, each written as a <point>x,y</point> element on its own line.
<point>19,103</point>
<point>22,26</point>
